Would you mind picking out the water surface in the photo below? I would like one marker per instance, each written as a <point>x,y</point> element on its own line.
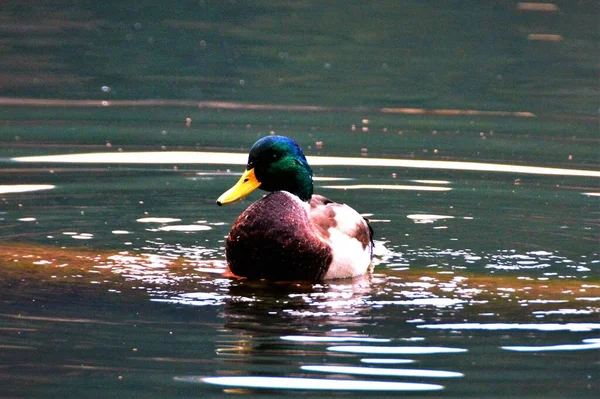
<point>475,160</point>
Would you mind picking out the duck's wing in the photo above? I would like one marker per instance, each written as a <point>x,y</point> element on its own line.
<point>347,233</point>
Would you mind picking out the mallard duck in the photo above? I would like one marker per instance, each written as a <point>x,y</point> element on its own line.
<point>291,234</point>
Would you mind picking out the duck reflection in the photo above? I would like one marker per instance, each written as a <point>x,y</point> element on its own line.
<point>309,337</point>
<point>255,312</point>
<point>275,336</point>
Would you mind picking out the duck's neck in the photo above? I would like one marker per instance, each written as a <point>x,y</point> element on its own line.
<point>297,181</point>
<point>303,187</point>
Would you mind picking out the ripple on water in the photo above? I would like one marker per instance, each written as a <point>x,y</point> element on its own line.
<point>311,383</point>
<point>591,343</point>
<point>310,338</point>
<point>573,327</point>
<point>388,372</point>
<point>396,350</point>
<point>158,220</point>
<point>386,361</point>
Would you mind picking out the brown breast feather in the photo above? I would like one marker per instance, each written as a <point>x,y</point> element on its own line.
<point>273,239</point>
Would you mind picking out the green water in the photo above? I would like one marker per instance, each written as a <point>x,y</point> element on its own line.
<point>486,282</point>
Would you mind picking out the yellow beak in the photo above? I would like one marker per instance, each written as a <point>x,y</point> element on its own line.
<point>243,187</point>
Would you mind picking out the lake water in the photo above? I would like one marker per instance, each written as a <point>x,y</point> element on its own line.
<point>467,132</point>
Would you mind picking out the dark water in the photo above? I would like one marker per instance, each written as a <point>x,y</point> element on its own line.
<point>467,131</point>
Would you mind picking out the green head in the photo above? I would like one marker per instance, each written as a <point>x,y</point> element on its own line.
<point>275,163</point>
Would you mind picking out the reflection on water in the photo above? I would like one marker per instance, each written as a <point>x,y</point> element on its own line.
<point>378,371</point>
<point>573,327</point>
<point>390,331</point>
<point>312,384</point>
<point>219,158</point>
<point>591,343</point>
<point>24,188</point>
<point>470,145</point>
<point>262,322</point>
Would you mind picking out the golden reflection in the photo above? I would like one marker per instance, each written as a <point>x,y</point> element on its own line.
<point>543,7</point>
<point>232,105</point>
<point>183,268</point>
<point>225,158</point>
<point>544,37</point>
<point>455,112</point>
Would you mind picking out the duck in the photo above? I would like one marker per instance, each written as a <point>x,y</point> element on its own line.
<point>291,234</point>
